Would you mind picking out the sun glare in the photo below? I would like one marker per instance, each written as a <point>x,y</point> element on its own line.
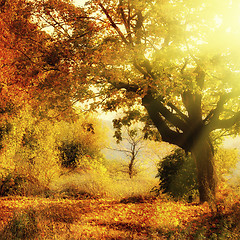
<point>231,17</point>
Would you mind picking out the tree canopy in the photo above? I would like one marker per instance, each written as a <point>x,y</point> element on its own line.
<point>36,57</point>
<point>166,52</point>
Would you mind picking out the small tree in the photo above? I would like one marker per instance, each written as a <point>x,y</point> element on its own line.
<point>131,145</point>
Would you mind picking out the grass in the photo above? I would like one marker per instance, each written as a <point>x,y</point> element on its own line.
<point>41,218</point>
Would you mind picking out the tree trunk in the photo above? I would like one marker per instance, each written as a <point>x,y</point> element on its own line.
<point>203,154</point>
<point>130,172</point>
<point>130,167</point>
<point>191,135</point>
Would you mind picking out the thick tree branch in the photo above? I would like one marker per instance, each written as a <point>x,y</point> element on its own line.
<point>214,114</point>
<point>145,71</point>
<point>167,134</point>
<point>113,23</point>
<point>200,78</point>
<point>125,20</point>
<point>169,116</point>
<point>128,86</point>
<point>193,101</point>
<point>180,114</point>
<point>225,123</point>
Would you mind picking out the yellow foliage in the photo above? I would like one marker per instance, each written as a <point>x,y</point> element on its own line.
<point>29,148</point>
<point>225,161</point>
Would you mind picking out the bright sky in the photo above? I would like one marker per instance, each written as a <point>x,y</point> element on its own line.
<point>79,2</point>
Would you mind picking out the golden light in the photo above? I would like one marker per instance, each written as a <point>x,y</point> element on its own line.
<point>230,17</point>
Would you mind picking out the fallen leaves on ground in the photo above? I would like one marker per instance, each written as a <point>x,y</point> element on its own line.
<point>104,218</point>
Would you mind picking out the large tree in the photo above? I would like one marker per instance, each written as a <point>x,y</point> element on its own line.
<point>179,60</point>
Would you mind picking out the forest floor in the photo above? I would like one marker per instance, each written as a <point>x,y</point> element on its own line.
<point>46,218</point>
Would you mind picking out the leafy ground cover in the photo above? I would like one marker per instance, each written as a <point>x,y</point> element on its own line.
<point>42,218</point>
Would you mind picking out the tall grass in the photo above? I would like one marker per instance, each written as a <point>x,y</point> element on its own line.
<point>98,183</point>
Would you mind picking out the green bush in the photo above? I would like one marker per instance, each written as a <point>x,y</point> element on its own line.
<point>69,154</point>
<point>79,143</point>
<point>177,175</point>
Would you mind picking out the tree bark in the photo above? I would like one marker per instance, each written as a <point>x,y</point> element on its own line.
<point>203,154</point>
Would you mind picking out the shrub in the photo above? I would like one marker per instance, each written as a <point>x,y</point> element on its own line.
<point>69,154</point>
<point>17,184</point>
<point>177,175</point>
<point>82,184</point>
<point>23,225</point>
<point>79,143</point>
<point>225,161</point>
<point>74,191</point>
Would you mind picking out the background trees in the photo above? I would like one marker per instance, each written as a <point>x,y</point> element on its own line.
<point>36,153</point>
